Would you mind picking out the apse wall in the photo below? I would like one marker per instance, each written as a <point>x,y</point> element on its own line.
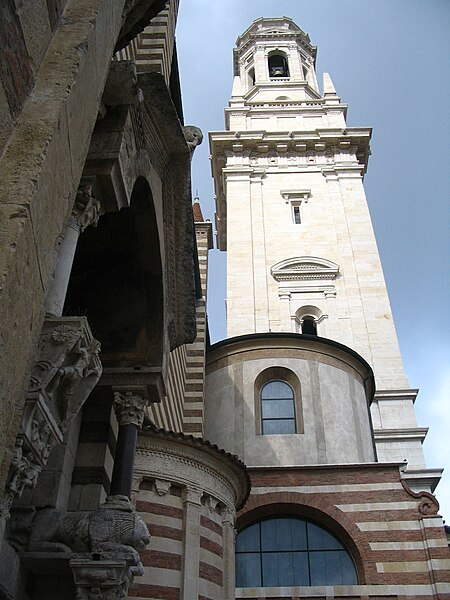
<point>332,387</point>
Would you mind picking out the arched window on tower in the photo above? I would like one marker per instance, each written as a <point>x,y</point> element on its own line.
<point>309,325</point>
<point>291,551</point>
<point>278,65</point>
<point>309,320</point>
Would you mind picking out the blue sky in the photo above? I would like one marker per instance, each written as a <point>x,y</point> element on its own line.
<point>390,62</point>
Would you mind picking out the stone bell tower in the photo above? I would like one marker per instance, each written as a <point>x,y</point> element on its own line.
<point>293,217</point>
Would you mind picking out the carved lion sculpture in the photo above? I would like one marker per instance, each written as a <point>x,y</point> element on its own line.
<point>103,530</point>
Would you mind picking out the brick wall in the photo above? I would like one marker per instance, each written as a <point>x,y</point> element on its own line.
<point>395,536</point>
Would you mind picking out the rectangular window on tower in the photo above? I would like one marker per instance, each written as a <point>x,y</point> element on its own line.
<point>296,218</point>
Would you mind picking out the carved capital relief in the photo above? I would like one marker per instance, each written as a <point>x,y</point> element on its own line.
<point>212,503</point>
<point>129,406</point>
<point>86,209</point>
<point>192,495</point>
<point>67,369</point>
<point>229,516</point>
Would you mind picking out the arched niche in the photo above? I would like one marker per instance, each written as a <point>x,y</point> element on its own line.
<point>117,282</point>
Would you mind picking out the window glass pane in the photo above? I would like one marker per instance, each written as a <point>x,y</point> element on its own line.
<point>347,569</point>
<point>317,568</point>
<point>283,534</point>
<point>271,426</point>
<point>301,569</point>
<point>298,529</point>
<point>277,408</point>
<point>248,539</point>
<point>278,569</point>
<point>320,539</point>
<point>277,389</point>
<point>248,570</point>
<point>332,567</point>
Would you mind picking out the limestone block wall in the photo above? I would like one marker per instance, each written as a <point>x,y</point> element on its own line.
<point>332,387</point>
<point>187,492</point>
<point>395,536</point>
<point>47,133</point>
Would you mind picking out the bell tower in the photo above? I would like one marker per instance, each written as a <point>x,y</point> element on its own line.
<point>292,214</point>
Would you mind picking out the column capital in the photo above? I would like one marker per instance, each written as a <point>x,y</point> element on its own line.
<point>129,405</point>
<point>86,209</point>
<point>192,495</point>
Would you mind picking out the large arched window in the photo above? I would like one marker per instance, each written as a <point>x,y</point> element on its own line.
<point>290,551</point>
<point>277,408</point>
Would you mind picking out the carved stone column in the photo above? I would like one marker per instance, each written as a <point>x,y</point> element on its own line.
<point>129,405</point>
<point>85,212</point>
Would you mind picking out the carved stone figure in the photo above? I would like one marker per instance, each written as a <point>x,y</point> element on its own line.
<point>86,208</point>
<point>67,369</point>
<point>110,531</point>
<point>193,135</point>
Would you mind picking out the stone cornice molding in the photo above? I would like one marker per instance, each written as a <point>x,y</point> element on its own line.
<point>183,469</point>
<point>299,195</point>
<point>304,268</point>
<point>386,395</point>
<point>406,433</point>
<point>181,462</point>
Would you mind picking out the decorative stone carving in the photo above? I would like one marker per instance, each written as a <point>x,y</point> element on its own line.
<point>211,503</point>
<point>86,209</point>
<point>102,546</point>
<point>193,135</point>
<point>68,367</point>
<point>229,516</point>
<point>130,407</point>
<point>121,85</point>
<point>62,378</point>
<point>304,268</point>
<point>106,579</point>
<point>162,486</point>
<point>113,528</point>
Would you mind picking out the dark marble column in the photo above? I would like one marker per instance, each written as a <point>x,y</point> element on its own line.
<point>129,406</point>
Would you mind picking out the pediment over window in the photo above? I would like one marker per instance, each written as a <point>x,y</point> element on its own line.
<point>302,268</point>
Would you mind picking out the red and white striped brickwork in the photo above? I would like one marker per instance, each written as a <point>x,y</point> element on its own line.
<point>186,491</point>
<point>152,49</point>
<point>182,409</point>
<point>195,359</point>
<point>395,536</point>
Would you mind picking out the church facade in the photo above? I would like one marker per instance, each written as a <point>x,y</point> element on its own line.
<point>136,459</point>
